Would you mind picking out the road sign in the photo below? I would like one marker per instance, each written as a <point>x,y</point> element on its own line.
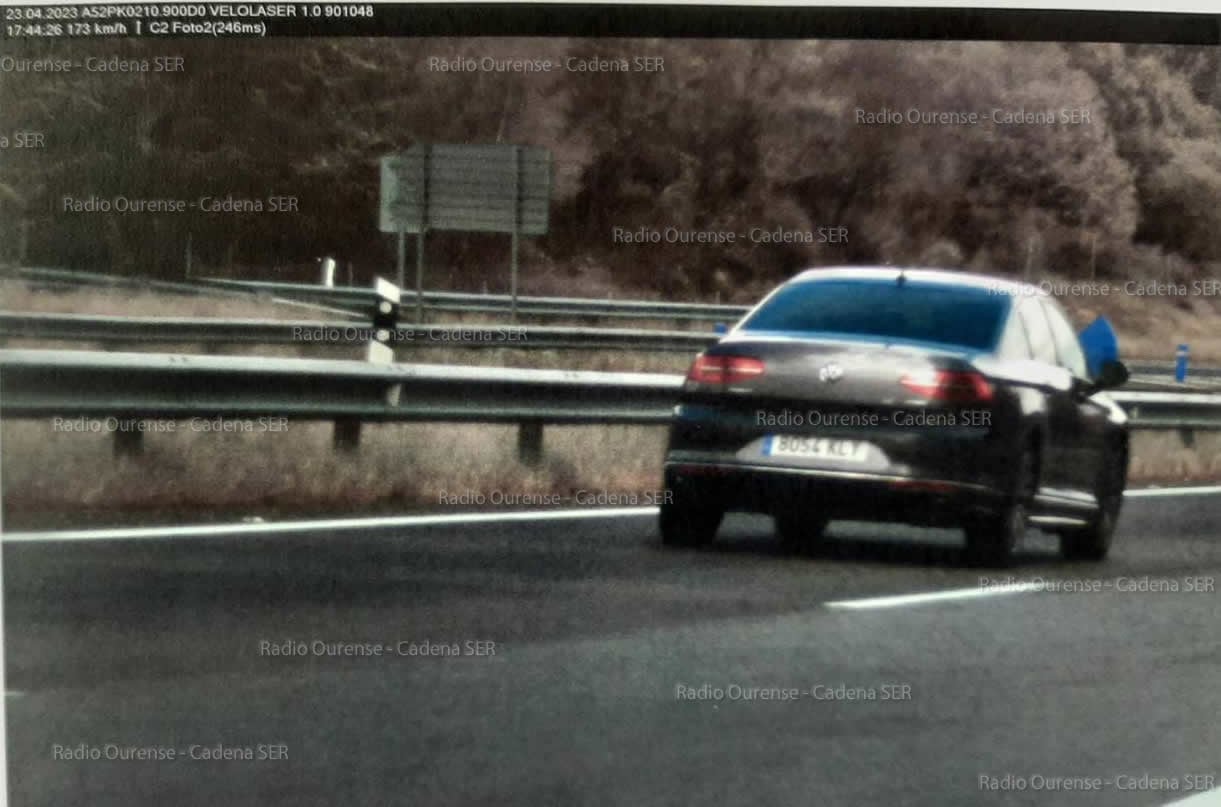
<point>480,188</point>
<point>401,194</point>
<point>493,188</point>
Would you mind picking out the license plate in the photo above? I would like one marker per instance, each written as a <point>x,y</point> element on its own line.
<point>818,448</point>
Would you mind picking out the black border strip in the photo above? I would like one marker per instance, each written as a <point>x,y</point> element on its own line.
<point>756,22</point>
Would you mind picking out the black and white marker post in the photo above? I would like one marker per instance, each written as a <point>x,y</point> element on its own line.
<point>377,351</point>
<point>385,320</point>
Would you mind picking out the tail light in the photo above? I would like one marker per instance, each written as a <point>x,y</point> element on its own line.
<point>952,386</point>
<point>724,369</point>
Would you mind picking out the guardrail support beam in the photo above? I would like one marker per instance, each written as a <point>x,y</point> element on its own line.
<point>346,437</point>
<point>530,443</point>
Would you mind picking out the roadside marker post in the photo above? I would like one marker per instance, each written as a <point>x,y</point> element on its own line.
<point>1181,358</point>
<point>378,350</point>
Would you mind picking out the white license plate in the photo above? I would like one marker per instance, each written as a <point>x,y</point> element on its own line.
<point>818,448</point>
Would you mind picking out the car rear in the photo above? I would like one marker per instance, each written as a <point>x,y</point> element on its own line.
<point>856,396</point>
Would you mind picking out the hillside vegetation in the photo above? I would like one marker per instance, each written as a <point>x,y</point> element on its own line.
<point>1121,183</point>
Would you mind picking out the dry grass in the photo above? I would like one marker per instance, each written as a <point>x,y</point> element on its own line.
<point>1151,327</point>
<point>53,478</point>
<point>17,296</point>
<point>1161,457</point>
<point>51,475</point>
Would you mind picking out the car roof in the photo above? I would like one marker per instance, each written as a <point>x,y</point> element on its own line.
<point>946,277</point>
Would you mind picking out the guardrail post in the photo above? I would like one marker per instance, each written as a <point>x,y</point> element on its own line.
<point>129,442</point>
<point>346,437</point>
<point>530,443</point>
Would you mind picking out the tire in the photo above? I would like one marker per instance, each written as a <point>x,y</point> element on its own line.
<point>1093,541</point>
<point>993,538</point>
<point>800,530</point>
<point>688,522</point>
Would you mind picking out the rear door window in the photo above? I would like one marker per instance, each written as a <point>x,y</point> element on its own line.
<point>1042,346</point>
<point>1068,348</point>
<point>1015,344</point>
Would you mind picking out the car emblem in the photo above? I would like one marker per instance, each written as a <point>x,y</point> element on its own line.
<point>830,373</point>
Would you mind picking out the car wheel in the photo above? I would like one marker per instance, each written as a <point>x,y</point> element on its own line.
<point>993,538</point>
<point>1093,541</point>
<point>800,530</point>
<point>688,521</point>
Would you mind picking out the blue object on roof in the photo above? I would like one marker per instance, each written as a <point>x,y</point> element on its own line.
<point>1100,344</point>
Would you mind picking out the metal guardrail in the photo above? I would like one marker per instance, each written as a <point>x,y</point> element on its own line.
<point>36,383</point>
<point>79,328</point>
<point>142,386</point>
<point>1154,368</point>
<point>168,330</point>
<point>359,299</point>
<point>92,328</point>
<point>42,383</point>
<point>347,301</point>
<point>1170,410</point>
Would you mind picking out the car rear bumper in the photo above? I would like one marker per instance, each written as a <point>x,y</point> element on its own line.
<point>835,493</point>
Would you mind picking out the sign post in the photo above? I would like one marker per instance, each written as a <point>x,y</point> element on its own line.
<point>404,207</point>
<point>419,276</point>
<point>401,274</point>
<point>516,230</point>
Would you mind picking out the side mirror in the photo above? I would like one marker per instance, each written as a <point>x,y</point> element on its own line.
<point>1111,374</point>
<point>720,329</point>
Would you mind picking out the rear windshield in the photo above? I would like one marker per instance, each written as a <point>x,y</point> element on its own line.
<point>885,311</point>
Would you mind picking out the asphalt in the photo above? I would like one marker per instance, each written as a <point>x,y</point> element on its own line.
<point>578,662</point>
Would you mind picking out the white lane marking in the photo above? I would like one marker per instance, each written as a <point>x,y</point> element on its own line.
<point>271,528</point>
<point>900,600</point>
<point>322,525</point>
<point>1199,490</point>
<point>1209,798</point>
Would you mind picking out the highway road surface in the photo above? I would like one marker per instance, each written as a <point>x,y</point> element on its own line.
<point>567,659</point>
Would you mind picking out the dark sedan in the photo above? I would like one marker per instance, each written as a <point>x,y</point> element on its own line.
<point>925,397</point>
